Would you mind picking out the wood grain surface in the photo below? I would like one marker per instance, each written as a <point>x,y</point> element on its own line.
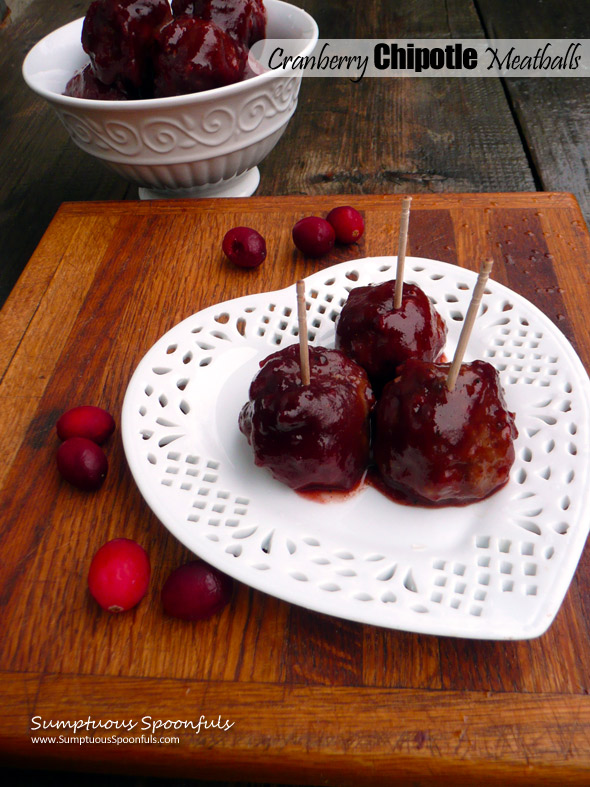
<point>378,136</point>
<point>552,115</point>
<point>312,699</point>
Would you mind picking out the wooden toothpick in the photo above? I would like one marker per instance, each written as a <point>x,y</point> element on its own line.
<point>401,252</point>
<point>482,279</point>
<point>303,345</point>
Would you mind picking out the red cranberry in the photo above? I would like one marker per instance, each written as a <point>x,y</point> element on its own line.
<point>313,236</point>
<point>245,247</point>
<point>119,575</point>
<point>88,421</point>
<point>347,222</point>
<point>82,463</point>
<point>196,591</point>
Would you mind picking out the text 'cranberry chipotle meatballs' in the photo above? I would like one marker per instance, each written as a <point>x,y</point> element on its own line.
<point>313,436</point>
<point>144,49</point>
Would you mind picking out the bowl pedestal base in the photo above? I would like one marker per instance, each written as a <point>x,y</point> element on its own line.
<point>243,185</point>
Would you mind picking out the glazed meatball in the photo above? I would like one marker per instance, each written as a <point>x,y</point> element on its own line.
<point>118,35</point>
<point>243,20</point>
<point>439,446</point>
<point>312,436</point>
<point>379,337</point>
<point>84,84</point>
<point>193,55</point>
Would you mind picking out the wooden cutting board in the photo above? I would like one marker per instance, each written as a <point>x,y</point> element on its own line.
<point>310,699</point>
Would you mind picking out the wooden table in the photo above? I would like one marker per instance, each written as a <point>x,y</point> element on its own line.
<point>312,699</point>
<point>378,137</point>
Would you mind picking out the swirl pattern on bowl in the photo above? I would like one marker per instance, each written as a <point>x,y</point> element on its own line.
<point>239,123</point>
<point>186,132</point>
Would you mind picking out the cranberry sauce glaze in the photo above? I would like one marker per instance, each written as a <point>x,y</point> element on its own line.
<point>312,436</point>
<point>443,447</point>
<point>145,49</point>
<point>195,55</point>
<point>244,21</point>
<point>84,84</point>
<point>379,337</point>
<point>118,36</point>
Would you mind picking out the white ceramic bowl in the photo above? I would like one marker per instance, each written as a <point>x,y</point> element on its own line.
<point>202,144</point>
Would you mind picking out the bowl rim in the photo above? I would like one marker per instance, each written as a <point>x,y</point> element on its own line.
<point>136,105</point>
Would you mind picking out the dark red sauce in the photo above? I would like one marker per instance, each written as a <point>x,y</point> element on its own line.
<point>401,497</point>
<point>443,447</point>
<point>396,495</point>
<point>119,35</point>
<point>242,20</point>
<point>312,436</point>
<point>84,84</point>
<point>333,495</point>
<point>379,337</point>
<point>194,55</point>
<point>144,49</point>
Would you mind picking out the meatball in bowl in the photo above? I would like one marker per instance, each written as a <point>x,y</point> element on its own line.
<point>166,95</point>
